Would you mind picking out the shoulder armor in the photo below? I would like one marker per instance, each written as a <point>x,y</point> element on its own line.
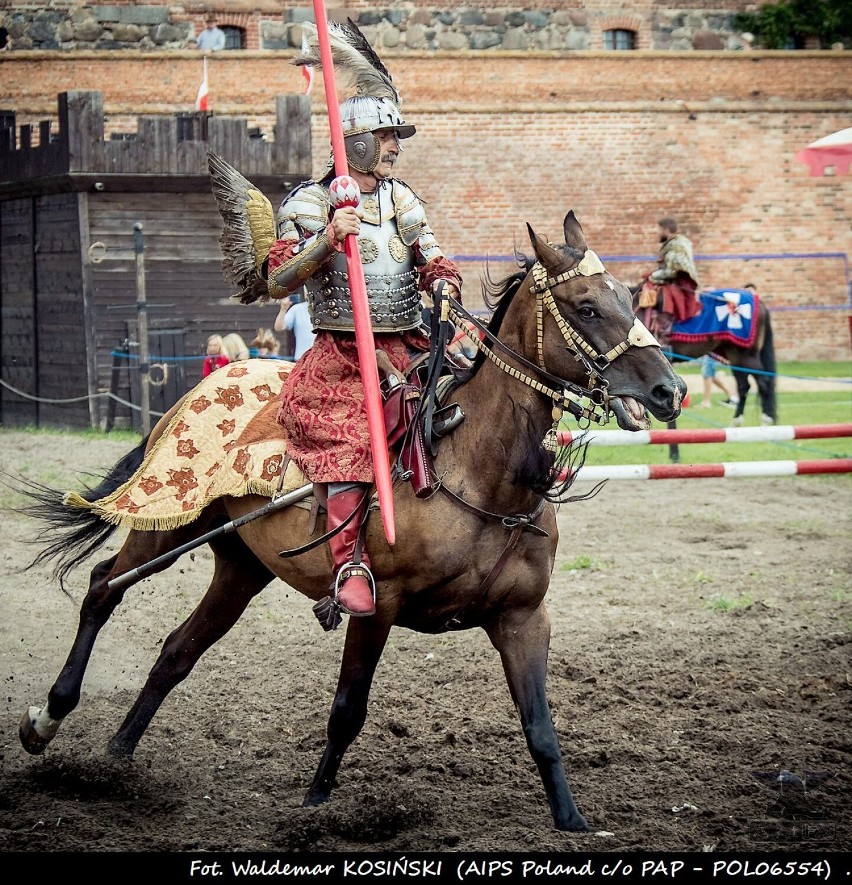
<point>410,212</point>
<point>306,207</point>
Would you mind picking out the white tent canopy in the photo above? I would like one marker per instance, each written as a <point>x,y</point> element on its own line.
<point>832,150</point>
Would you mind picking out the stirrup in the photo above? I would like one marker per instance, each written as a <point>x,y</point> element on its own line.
<point>348,570</point>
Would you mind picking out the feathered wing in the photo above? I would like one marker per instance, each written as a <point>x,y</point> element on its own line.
<point>249,229</point>
<point>353,57</point>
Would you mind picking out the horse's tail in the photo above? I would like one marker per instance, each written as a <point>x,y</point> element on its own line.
<point>74,533</point>
<point>767,360</point>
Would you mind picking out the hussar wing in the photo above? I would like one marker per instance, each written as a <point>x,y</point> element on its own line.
<point>249,229</point>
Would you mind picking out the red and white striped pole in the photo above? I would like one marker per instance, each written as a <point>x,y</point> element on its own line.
<point>727,470</point>
<point>777,433</point>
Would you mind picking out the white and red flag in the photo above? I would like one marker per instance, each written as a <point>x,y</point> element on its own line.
<point>307,70</point>
<point>201,102</point>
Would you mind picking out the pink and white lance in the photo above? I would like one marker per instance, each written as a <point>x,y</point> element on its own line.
<point>361,312</point>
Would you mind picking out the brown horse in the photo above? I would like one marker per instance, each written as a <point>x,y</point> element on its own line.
<point>477,553</point>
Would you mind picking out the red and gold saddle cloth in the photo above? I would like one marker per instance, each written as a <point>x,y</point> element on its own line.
<point>224,440</point>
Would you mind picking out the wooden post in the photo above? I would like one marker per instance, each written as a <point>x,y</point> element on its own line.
<point>142,329</point>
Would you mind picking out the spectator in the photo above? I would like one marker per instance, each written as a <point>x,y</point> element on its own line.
<point>235,347</point>
<point>5,39</point>
<point>708,374</point>
<point>212,38</point>
<point>216,355</point>
<point>265,345</point>
<point>293,316</point>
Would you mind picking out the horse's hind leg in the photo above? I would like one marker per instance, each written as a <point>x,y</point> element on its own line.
<point>40,725</point>
<point>766,392</point>
<point>365,641</point>
<point>237,579</point>
<point>523,647</point>
<point>742,382</point>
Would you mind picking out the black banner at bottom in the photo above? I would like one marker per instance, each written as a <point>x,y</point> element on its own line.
<point>579,867</point>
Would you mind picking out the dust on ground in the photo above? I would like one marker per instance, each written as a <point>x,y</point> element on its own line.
<point>701,633</point>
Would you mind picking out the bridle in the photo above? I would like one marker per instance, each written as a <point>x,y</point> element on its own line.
<point>565,394</point>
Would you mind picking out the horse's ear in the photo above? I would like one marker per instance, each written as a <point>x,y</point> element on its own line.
<point>544,252</point>
<point>574,233</point>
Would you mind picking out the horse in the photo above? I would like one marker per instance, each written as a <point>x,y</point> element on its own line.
<point>477,553</point>
<point>757,360</point>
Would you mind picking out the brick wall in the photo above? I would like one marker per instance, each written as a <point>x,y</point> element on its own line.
<point>622,138</point>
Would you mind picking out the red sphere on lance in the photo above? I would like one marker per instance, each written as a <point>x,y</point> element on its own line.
<point>344,191</point>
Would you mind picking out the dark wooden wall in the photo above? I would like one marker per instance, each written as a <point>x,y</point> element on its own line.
<point>68,274</point>
<point>183,280</point>
<point>43,342</point>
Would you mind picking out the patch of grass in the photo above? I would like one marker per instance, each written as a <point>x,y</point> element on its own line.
<point>579,563</point>
<point>724,603</point>
<point>87,433</point>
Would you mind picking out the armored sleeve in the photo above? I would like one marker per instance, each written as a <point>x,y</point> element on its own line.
<point>414,230</point>
<point>305,242</point>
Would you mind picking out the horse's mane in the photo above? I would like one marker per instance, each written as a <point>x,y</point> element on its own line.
<point>498,294</point>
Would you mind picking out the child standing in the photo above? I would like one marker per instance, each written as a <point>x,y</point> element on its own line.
<point>216,355</point>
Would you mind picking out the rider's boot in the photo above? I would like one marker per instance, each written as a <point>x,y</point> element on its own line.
<point>354,587</point>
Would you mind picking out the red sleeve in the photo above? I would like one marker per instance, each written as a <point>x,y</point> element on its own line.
<point>440,268</point>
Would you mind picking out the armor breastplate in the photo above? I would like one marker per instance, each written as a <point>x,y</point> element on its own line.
<point>389,274</point>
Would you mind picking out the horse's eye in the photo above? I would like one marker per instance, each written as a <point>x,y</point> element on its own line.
<point>586,312</point>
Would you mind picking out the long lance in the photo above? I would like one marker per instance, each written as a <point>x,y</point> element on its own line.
<point>360,309</point>
<point>153,565</point>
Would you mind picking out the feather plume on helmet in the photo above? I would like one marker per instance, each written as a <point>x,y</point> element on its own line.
<point>353,57</point>
<point>375,103</point>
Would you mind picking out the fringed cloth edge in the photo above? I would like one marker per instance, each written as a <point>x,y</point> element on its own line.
<point>224,440</point>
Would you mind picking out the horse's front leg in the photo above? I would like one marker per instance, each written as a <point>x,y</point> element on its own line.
<point>523,645</point>
<point>365,642</point>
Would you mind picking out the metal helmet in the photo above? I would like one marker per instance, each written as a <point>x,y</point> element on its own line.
<point>361,116</point>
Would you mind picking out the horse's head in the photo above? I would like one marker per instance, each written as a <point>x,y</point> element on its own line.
<point>587,335</point>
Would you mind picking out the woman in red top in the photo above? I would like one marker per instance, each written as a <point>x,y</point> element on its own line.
<point>216,355</point>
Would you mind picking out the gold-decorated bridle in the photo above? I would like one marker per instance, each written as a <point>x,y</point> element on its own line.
<point>566,396</point>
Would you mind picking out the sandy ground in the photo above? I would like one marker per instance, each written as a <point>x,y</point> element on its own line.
<point>701,633</point>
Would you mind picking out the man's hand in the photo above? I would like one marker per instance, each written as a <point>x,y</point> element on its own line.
<point>346,220</point>
<point>451,289</point>
<point>658,276</point>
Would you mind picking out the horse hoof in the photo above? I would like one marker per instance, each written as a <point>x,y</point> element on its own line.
<point>766,420</point>
<point>312,800</point>
<point>31,740</point>
<point>575,824</point>
<point>119,750</point>
<point>737,422</point>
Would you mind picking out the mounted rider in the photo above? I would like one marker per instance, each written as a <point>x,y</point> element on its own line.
<point>672,289</point>
<point>322,408</point>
